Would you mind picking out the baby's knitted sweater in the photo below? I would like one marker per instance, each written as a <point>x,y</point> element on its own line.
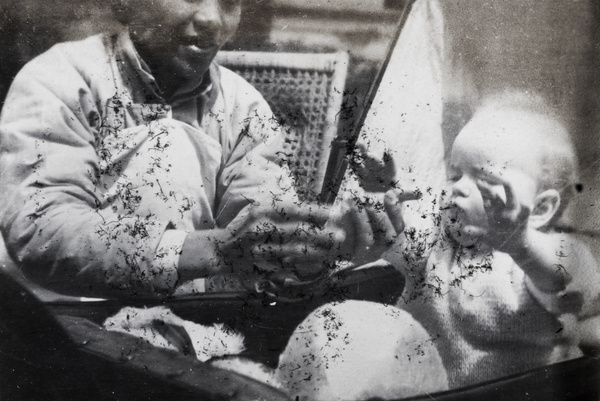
<point>479,310</point>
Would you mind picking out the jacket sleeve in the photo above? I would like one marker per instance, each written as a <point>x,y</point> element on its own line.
<point>255,170</point>
<point>51,218</point>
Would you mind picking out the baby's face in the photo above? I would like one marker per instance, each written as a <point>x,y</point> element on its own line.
<point>480,157</point>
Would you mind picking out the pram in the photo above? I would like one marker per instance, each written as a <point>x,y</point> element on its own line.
<point>60,352</point>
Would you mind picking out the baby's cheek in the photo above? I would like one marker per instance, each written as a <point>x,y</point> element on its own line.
<point>478,206</point>
<point>487,204</point>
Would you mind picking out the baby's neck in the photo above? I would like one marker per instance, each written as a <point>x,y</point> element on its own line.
<point>477,254</point>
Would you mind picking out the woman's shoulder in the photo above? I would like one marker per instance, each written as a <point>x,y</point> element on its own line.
<point>86,52</point>
<point>240,93</point>
<point>67,63</point>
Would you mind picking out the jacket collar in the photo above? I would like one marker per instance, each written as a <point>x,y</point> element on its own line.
<point>126,53</point>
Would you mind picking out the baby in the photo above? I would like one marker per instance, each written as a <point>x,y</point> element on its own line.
<point>498,290</point>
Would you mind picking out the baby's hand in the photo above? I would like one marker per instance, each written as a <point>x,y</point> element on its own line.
<point>374,175</point>
<point>506,211</point>
<point>393,201</point>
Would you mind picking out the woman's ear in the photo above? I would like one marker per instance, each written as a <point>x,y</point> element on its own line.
<point>546,205</point>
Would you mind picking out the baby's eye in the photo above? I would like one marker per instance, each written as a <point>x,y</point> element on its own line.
<point>487,182</point>
<point>454,177</point>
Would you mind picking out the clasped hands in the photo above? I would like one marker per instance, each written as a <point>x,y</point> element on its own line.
<point>306,240</point>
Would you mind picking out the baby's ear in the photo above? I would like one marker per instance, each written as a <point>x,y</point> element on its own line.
<point>546,205</point>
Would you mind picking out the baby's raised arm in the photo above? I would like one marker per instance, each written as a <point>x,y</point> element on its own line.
<point>551,260</point>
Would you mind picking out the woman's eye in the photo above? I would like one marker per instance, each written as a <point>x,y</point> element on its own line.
<point>229,5</point>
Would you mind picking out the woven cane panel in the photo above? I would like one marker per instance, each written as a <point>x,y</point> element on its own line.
<point>299,100</point>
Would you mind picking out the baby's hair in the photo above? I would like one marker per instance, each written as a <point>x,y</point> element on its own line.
<point>550,137</point>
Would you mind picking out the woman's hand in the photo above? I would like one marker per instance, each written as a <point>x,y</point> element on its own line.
<point>300,239</point>
<point>293,238</point>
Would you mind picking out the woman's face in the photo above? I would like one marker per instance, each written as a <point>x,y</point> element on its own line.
<point>181,37</point>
